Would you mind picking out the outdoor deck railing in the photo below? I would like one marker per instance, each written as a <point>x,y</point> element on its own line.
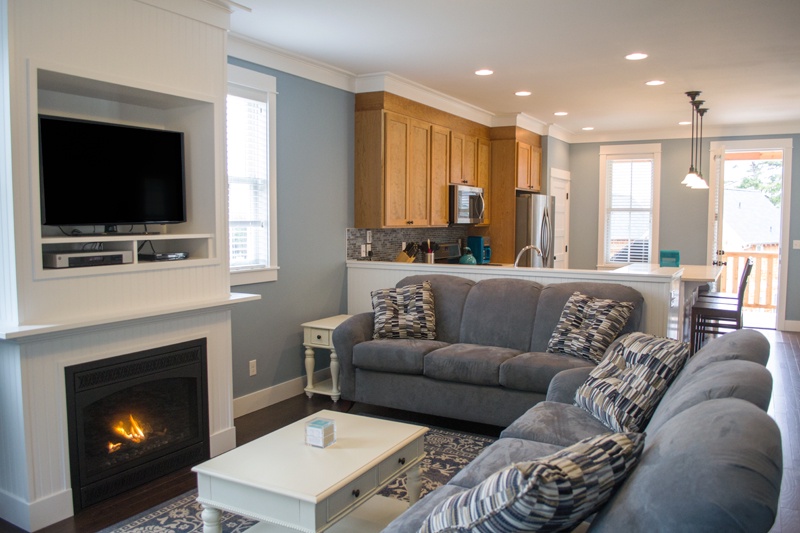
<point>762,286</point>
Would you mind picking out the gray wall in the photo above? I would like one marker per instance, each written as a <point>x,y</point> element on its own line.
<point>315,206</point>
<point>684,223</point>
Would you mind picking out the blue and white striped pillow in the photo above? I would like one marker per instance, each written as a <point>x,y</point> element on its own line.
<point>553,493</point>
<point>404,312</point>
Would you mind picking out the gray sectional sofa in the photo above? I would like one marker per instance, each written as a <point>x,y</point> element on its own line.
<point>711,460</point>
<point>488,362</point>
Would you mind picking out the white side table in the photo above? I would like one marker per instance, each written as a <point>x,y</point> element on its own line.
<point>319,334</point>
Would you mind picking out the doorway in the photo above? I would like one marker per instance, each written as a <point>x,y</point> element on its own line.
<point>747,220</point>
<point>559,188</point>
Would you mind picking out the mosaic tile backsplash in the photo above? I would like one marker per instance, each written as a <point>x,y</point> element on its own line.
<point>386,243</point>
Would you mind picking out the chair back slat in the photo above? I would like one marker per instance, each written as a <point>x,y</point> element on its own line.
<point>748,268</point>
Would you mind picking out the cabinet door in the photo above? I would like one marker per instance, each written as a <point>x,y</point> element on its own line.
<point>536,171</point>
<point>456,157</point>
<point>396,134</point>
<point>484,166</point>
<point>523,165</point>
<point>419,173</point>
<point>440,175</point>
<point>463,159</point>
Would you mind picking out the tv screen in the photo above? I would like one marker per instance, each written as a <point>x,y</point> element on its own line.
<point>95,173</point>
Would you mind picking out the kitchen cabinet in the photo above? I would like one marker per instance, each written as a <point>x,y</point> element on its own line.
<point>407,171</point>
<point>463,159</point>
<point>440,173</point>
<point>528,167</point>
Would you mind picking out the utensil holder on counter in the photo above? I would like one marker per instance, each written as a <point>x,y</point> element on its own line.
<point>429,258</point>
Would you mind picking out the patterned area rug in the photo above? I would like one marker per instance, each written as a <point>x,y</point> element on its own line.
<point>447,452</point>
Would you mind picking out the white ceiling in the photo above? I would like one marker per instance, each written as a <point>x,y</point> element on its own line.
<point>744,55</point>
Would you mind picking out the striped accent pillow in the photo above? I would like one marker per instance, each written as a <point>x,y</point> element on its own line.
<point>588,326</point>
<point>554,493</point>
<point>404,312</point>
<point>623,391</point>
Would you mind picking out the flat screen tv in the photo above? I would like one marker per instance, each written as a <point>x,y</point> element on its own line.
<point>96,173</point>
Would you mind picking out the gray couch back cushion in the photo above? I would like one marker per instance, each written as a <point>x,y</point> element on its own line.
<point>555,296</point>
<point>449,295</point>
<point>501,312</point>
<point>687,464</point>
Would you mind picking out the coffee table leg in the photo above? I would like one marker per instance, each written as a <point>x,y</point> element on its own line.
<point>413,485</point>
<point>211,520</point>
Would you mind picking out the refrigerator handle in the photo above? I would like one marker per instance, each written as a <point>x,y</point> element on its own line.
<point>546,238</point>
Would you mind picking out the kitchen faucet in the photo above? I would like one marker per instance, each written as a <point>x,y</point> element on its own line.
<point>525,249</point>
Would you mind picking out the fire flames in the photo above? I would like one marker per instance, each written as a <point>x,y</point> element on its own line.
<point>134,432</point>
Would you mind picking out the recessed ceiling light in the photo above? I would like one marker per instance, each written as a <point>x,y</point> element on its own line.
<point>523,93</point>
<point>484,72</point>
<point>636,56</point>
<point>684,123</point>
<point>653,83</point>
<point>560,113</point>
<point>587,128</point>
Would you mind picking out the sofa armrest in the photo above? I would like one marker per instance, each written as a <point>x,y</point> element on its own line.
<point>565,384</point>
<point>358,328</point>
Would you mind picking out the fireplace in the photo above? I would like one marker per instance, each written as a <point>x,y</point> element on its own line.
<point>134,418</point>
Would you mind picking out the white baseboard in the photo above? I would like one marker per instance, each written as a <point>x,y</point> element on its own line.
<point>272,395</point>
<point>791,325</point>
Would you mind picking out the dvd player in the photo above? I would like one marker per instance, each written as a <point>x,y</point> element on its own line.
<point>85,259</point>
<point>171,256</point>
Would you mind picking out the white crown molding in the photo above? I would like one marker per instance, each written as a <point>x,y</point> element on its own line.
<point>259,53</point>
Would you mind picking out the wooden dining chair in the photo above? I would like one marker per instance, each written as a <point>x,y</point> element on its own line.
<point>712,316</point>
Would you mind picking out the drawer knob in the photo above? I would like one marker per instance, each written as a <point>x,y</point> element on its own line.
<point>402,460</point>
<point>319,337</point>
<point>356,493</point>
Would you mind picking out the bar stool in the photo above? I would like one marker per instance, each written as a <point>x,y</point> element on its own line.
<point>723,296</point>
<point>712,316</point>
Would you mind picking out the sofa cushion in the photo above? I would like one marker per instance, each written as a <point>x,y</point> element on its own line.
<point>624,390</point>
<point>449,293</point>
<point>715,467</point>
<point>534,371</point>
<point>467,363</point>
<point>588,326</point>
<point>404,312</point>
<point>555,492</point>
<point>500,312</point>
<point>555,423</point>
<point>401,356</point>
<point>724,379</point>
<point>553,298</point>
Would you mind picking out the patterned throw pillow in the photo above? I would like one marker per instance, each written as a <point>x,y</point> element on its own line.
<point>588,326</point>
<point>554,493</point>
<point>623,391</point>
<point>404,312</point>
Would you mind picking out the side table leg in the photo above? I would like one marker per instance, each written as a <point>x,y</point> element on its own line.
<point>309,370</point>
<point>413,485</point>
<point>211,520</point>
<point>335,392</point>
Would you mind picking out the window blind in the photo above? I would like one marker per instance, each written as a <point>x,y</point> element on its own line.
<point>629,209</point>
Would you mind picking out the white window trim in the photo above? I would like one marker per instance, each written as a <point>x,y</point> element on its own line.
<point>633,151</point>
<point>245,80</point>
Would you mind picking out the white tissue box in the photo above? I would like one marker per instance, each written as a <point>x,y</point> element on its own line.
<point>320,432</point>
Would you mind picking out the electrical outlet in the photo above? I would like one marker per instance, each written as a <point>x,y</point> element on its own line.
<point>795,245</point>
<point>369,236</point>
<point>253,367</point>
<point>363,250</point>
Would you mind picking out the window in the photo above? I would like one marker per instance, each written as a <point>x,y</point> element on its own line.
<point>629,185</point>
<point>250,127</point>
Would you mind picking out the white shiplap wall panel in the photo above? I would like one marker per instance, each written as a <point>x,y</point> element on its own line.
<point>12,436</point>
<point>364,276</point>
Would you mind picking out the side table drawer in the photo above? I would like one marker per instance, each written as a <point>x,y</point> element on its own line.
<point>352,492</point>
<point>391,465</point>
<point>319,337</point>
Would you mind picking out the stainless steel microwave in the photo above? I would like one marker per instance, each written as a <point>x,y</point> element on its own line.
<point>466,204</point>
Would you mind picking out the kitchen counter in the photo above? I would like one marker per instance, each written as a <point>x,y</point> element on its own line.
<point>659,288</point>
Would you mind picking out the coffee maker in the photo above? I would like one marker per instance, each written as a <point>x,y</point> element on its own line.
<point>481,249</point>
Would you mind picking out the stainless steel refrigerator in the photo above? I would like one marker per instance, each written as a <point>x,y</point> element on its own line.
<point>535,227</point>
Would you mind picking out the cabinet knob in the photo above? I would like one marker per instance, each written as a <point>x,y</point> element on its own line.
<point>409,221</point>
<point>319,337</point>
<point>356,493</point>
<point>402,460</point>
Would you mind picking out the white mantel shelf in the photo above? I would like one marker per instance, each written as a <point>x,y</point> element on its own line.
<point>36,331</point>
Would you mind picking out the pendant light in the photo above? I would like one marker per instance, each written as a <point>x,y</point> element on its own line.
<point>694,178</point>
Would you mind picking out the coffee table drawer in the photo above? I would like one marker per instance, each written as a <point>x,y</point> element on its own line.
<point>399,460</point>
<point>352,492</point>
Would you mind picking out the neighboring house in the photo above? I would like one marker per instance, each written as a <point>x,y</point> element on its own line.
<point>752,223</point>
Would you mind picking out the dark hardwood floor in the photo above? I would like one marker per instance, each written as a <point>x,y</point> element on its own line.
<point>785,409</point>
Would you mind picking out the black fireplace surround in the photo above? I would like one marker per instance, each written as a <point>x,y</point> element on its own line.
<point>134,418</point>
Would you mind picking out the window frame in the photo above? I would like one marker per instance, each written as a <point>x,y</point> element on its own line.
<point>650,151</point>
<point>257,85</point>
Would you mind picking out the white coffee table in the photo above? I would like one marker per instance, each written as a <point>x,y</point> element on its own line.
<point>289,486</point>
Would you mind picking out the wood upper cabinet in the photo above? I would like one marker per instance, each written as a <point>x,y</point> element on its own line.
<point>463,159</point>
<point>440,173</point>
<point>407,171</point>
<point>528,162</point>
<point>484,172</point>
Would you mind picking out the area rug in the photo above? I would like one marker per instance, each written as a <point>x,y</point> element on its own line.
<point>447,452</point>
